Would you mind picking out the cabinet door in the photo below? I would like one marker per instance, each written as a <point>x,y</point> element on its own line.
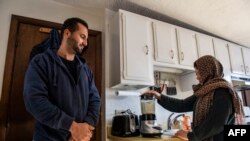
<point>165,47</point>
<point>246,57</point>
<point>222,54</point>
<point>236,59</point>
<point>205,45</point>
<point>187,46</point>
<point>136,53</point>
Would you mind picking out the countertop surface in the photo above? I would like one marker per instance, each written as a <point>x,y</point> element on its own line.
<point>140,138</point>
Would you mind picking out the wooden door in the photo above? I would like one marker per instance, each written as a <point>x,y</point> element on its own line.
<point>17,123</point>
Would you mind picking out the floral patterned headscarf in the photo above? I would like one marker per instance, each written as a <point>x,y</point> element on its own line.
<point>211,73</point>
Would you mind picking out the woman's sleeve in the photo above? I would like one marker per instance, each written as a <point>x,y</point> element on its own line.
<point>177,105</point>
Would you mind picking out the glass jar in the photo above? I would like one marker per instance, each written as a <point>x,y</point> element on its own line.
<point>147,104</point>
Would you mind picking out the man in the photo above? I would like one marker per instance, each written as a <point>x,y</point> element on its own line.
<point>59,89</point>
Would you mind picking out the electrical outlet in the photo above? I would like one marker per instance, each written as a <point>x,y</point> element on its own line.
<point>157,75</point>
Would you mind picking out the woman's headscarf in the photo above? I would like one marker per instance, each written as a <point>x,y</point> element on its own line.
<point>211,73</point>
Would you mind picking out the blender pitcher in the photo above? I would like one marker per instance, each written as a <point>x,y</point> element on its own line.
<point>148,125</point>
<point>147,104</point>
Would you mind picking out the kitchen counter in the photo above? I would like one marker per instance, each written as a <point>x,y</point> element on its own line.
<point>140,138</point>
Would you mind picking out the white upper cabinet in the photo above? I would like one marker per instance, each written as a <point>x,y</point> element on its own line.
<point>133,50</point>
<point>222,54</point>
<point>187,46</point>
<point>246,57</point>
<point>204,45</point>
<point>139,45</point>
<point>135,47</point>
<point>237,64</point>
<point>164,41</point>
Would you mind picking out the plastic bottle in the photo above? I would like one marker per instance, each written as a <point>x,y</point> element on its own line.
<point>186,123</point>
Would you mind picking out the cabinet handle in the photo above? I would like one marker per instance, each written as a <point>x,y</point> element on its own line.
<point>182,56</point>
<point>172,54</point>
<point>147,50</point>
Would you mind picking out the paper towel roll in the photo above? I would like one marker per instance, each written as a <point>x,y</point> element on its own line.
<point>128,93</point>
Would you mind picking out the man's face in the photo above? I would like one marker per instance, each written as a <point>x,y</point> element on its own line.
<point>78,39</point>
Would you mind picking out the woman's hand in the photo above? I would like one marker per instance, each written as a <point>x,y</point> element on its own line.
<point>153,93</point>
<point>182,134</point>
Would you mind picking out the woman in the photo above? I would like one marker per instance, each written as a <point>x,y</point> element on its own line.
<point>214,102</point>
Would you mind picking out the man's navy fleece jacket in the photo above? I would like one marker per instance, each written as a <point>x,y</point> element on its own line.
<point>55,99</point>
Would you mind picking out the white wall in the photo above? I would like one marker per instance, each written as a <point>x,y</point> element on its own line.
<point>48,10</point>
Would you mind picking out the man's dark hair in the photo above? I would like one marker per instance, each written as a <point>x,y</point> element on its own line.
<point>71,24</point>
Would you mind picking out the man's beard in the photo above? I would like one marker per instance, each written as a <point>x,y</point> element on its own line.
<point>74,45</point>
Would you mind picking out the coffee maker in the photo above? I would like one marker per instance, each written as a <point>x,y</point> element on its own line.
<point>148,124</point>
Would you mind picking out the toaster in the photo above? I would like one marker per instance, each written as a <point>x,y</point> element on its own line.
<point>125,125</point>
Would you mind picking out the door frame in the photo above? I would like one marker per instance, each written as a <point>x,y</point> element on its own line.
<point>9,64</point>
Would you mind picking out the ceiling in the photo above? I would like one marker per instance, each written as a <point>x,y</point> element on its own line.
<point>227,19</point>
